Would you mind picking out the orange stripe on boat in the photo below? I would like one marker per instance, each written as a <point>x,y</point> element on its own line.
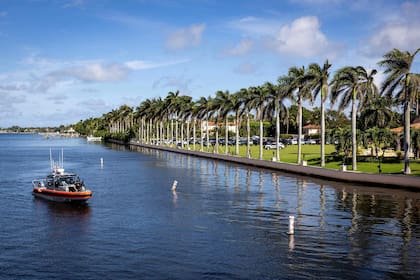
<point>62,193</point>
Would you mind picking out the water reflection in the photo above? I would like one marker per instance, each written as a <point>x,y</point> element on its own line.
<point>339,226</point>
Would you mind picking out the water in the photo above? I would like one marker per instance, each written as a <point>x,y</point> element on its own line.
<point>224,221</point>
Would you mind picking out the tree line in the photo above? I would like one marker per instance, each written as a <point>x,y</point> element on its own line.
<point>176,117</point>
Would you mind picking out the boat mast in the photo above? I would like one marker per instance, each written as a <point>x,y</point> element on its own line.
<point>51,161</point>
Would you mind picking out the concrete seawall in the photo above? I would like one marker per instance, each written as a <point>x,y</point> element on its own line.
<point>378,180</point>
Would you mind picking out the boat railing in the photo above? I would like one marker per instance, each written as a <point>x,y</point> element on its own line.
<point>38,183</point>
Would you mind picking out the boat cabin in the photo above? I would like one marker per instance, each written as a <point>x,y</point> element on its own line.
<point>65,182</point>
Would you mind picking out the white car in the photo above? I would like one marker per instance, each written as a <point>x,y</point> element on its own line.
<point>273,146</point>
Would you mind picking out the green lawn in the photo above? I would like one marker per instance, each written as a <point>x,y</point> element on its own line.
<point>311,153</point>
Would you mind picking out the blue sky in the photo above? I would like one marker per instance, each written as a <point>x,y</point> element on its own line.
<point>67,60</point>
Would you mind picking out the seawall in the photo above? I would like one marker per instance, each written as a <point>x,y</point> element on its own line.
<point>378,180</point>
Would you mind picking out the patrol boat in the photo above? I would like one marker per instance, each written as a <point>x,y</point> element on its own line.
<point>60,186</point>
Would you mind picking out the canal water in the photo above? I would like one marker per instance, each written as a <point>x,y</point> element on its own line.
<point>223,222</point>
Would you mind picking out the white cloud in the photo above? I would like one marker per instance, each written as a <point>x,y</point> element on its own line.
<point>395,35</point>
<point>400,30</point>
<point>255,26</point>
<point>143,65</point>
<point>95,72</point>
<point>43,74</point>
<point>302,38</point>
<point>242,48</point>
<point>186,37</point>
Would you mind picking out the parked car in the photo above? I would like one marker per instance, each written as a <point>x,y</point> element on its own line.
<point>273,146</point>
<point>310,141</point>
<point>292,141</point>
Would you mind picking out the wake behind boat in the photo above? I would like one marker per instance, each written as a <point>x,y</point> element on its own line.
<point>60,186</point>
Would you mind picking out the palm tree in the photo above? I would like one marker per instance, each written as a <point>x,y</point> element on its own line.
<point>403,84</point>
<point>173,106</point>
<point>185,111</point>
<point>145,109</point>
<point>353,84</point>
<point>318,82</point>
<point>204,112</point>
<point>195,112</point>
<point>224,101</point>
<point>276,96</point>
<point>376,112</point>
<point>297,81</point>
<point>245,100</point>
<point>259,102</point>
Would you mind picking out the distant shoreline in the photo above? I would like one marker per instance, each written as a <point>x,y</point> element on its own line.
<point>361,178</point>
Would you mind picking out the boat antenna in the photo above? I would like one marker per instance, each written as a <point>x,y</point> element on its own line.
<point>62,158</point>
<point>51,161</point>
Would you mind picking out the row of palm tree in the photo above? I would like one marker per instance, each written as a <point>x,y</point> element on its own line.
<point>351,86</point>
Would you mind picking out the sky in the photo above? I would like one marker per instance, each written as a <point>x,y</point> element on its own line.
<point>62,61</point>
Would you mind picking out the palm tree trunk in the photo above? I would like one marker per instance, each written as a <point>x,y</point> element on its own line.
<point>188,134</point>
<point>248,132</point>
<point>261,135</point>
<point>299,159</point>
<point>226,137</point>
<point>201,136</point>
<point>176,128</point>
<point>277,128</point>
<point>237,135</point>
<point>157,129</point>
<point>323,93</point>
<point>172,131</point>
<point>194,131</point>
<point>353,130</point>
<point>182,135</point>
<point>407,169</point>
<point>162,133</point>
<point>207,132</point>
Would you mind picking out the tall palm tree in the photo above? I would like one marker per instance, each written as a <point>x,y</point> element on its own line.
<point>195,112</point>
<point>186,106</point>
<point>145,109</point>
<point>259,102</point>
<point>172,100</point>
<point>223,101</point>
<point>353,84</point>
<point>236,104</point>
<point>403,84</point>
<point>245,100</point>
<point>276,106</point>
<point>318,83</point>
<point>297,81</point>
<point>204,112</point>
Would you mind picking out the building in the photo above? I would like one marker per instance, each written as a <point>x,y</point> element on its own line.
<point>311,129</point>
<point>212,126</point>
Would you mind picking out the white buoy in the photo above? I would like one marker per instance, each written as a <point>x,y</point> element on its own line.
<point>174,185</point>
<point>291,225</point>
<point>102,162</point>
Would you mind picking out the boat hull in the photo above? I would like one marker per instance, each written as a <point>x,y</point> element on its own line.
<point>61,196</point>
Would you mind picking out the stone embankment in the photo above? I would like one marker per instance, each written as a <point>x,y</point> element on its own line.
<point>378,180</point>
